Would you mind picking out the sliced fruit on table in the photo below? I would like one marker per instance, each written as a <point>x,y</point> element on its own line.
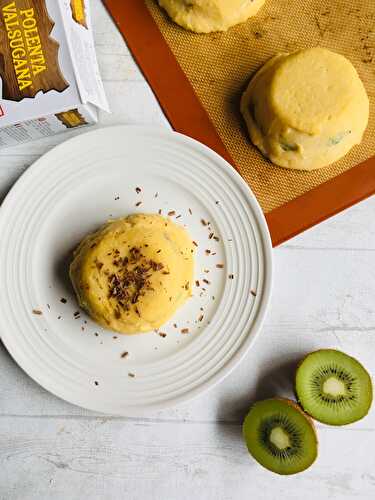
<point>333,387</point>
<point>280,436</point>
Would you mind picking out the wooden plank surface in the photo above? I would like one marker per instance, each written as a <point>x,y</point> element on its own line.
<point>323,297</point>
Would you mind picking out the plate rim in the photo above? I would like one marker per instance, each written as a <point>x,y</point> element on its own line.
<point>266,244</point>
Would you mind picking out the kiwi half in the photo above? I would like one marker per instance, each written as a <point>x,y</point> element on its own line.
<point>333,387</point>
<point>280,436</point>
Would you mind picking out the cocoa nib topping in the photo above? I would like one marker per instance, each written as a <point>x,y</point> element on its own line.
<point>131,280</point>
<point>99,265</point>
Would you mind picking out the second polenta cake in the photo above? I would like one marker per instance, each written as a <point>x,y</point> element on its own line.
<point>307,109</point>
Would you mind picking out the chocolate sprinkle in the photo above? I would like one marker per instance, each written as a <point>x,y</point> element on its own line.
<point>185,330</point>
<point>138,190</point>
<point>172,212</point>
<point>124,354</point>
<point>231,276</point>
<point>37,312</point>
<point>63,300</point>
<point>253,293</point>
<point>132,279</point>
<point>162,334</point>
<point>220,266</point>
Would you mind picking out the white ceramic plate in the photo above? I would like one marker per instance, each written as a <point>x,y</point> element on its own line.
<point>71,191</point>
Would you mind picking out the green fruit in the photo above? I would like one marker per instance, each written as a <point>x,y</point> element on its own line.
<point>280,436</point>
<point>333,387</point>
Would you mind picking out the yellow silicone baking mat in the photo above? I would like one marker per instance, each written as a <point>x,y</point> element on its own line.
<point>219,66</point>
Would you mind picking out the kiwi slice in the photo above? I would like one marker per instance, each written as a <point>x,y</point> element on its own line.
<point>333,387</point>
<point>280,436</point>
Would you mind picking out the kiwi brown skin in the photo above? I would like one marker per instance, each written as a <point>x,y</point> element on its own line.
<point>299,402</point>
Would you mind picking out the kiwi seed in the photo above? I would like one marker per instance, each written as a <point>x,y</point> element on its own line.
<point>333,387</point>
<point>280,436</point>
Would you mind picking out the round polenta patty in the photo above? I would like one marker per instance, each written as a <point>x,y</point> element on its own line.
<point>205,16</point>
<point>133,274</point>
<point>307,109</point>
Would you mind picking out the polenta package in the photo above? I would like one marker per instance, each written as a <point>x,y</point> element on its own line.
<point>49,76</point>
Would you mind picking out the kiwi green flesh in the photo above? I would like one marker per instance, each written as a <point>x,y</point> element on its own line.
<point>280,436</point>
<point>333,387</point>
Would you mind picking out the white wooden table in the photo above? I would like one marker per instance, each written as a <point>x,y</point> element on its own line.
<point>324,296</point>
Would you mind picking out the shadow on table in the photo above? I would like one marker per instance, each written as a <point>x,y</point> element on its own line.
<point>276,382</point>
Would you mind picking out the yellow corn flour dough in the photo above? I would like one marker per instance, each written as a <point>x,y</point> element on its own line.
<point>132,275</point>
<point>307,109</point>
<point>205,16</point>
